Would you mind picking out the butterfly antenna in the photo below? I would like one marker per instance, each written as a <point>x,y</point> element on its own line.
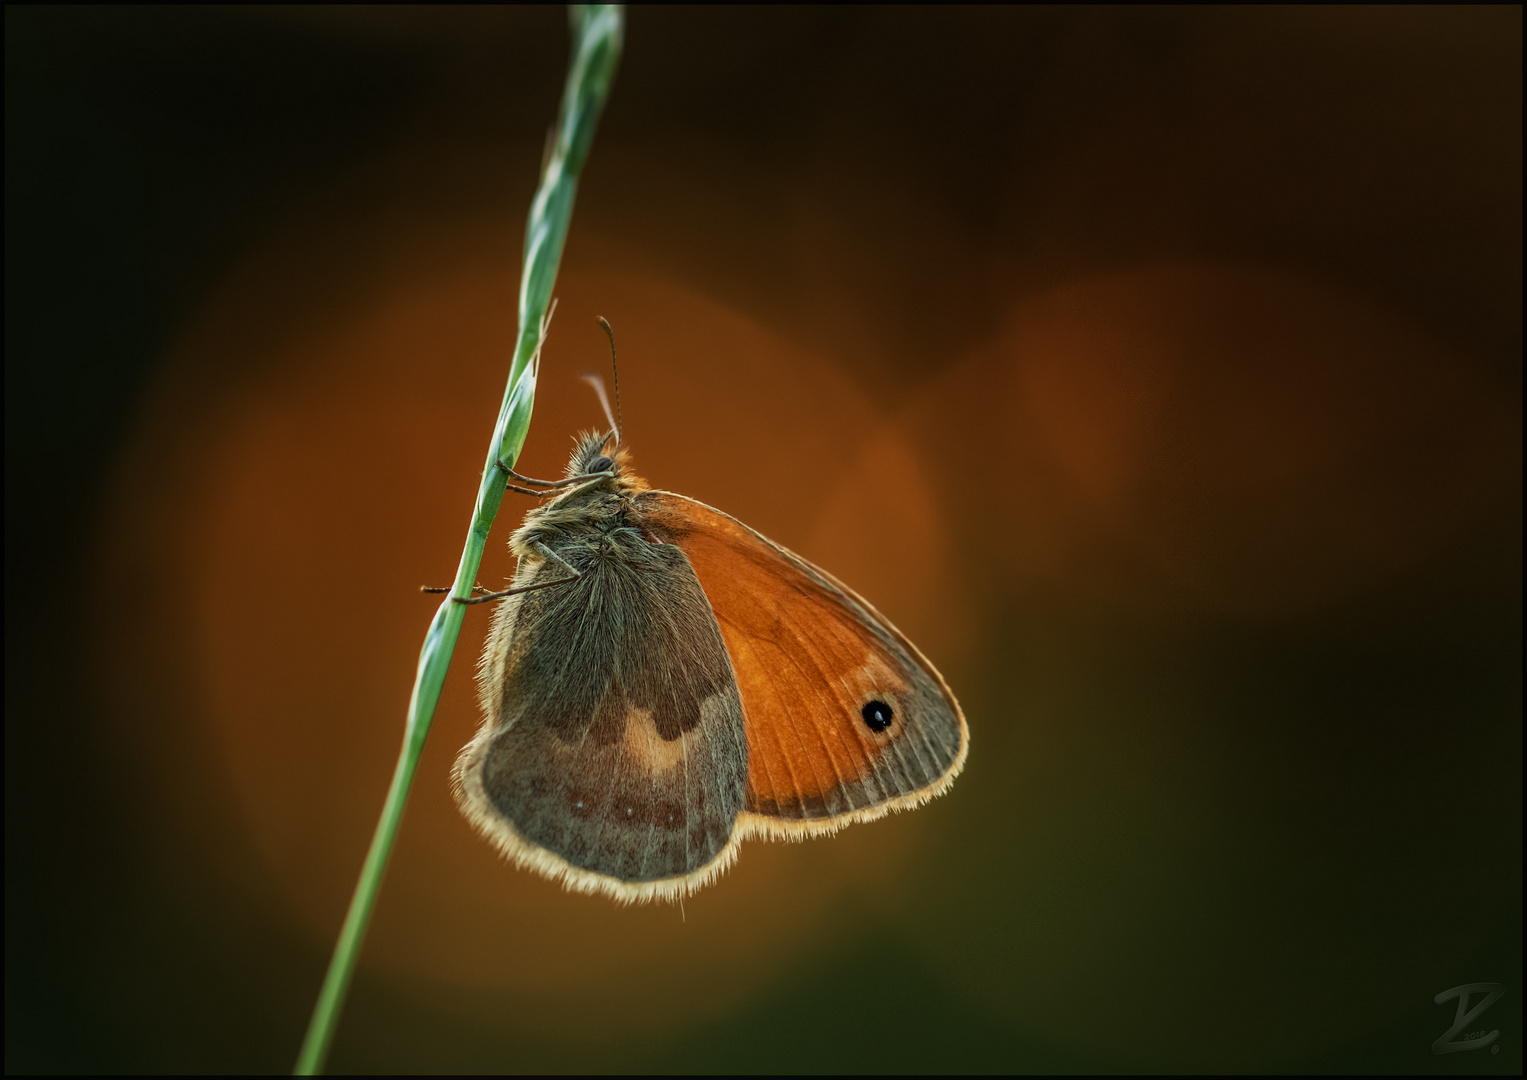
<point>597,382</point>
<point>614,374</point>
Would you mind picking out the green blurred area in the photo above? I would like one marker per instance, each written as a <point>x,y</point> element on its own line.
<point>1190,835</point>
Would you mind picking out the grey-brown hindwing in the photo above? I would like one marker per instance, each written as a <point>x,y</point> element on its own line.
<point>614,736</point>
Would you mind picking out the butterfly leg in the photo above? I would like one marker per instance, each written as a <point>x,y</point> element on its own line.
<point>546,552</point>
<point>551,485</point>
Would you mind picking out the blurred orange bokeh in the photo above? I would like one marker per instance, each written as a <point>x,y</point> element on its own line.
<point>1186,440</point>
<point>293,522</point>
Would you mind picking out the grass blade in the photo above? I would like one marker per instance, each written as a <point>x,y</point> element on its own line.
<point>597,35</point>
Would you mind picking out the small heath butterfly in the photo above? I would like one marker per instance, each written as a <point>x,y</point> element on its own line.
<point>662,682</point>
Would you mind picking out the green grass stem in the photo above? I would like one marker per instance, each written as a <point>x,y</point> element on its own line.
<point>597,34</point>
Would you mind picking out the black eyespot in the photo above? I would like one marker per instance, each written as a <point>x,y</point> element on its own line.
<point>601,464</point>
<point>878,715</point>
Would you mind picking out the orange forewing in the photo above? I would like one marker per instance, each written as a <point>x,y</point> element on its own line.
<point>809,655</point>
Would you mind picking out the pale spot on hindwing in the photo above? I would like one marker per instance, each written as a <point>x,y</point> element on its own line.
<point>649,750</point>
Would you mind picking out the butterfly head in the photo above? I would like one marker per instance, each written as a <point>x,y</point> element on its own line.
<point>598,452</point>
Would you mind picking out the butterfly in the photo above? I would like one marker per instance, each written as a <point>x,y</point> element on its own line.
<point>662,682</point>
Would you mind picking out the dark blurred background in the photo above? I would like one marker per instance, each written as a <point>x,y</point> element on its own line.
<point>1157,370</point>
